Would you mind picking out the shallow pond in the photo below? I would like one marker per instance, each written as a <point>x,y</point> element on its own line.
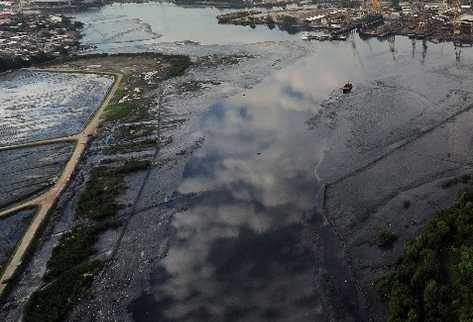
<point>39,105</point>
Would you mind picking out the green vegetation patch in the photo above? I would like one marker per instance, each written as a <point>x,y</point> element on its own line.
<point>119,94</point>
<point>386,238</point>
<point>73,248</point>
<point>130,166</point>
<point>178,65</point>
<point>434,279</point>
<point>287,20</point>
<point>53,302</point>
<point>98,201</point>
<point>127,112</point>
<point>69,271</point>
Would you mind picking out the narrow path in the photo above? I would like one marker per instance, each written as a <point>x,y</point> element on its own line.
<point>46,201</point>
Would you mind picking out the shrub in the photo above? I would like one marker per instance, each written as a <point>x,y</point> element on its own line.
<point>55,300</point>
<point>434,279</point>
<point>287,20</point>
<point>386,239</point>
<point>126,112</point>
<point>98,200</point>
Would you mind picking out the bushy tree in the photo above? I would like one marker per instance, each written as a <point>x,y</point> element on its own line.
<point>434,279</point>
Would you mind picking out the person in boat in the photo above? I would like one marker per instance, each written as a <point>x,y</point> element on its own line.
<point>347,87</point>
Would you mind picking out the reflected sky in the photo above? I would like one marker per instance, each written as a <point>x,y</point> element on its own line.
<point>238,254</point>
<point>242,247</point>
<point>242,250</point>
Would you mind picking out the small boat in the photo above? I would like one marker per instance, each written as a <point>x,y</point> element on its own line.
<point>347,88</point>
